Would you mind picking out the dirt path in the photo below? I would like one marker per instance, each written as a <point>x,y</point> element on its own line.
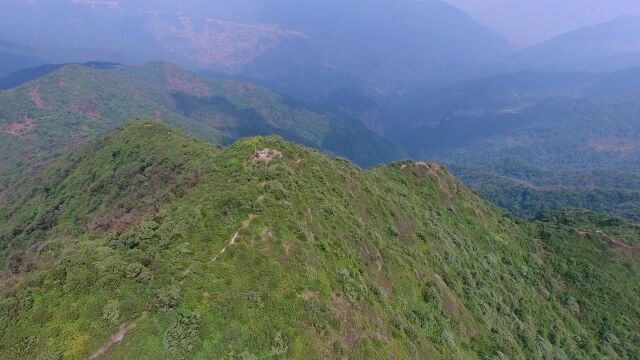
<point>115,339</point>
<point>616,242</point>
<point>125,328</point>
<point>245,224</point>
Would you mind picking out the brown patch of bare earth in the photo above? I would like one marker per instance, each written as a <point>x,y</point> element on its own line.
<point>266,155</point>
<point>87,110</point>
<point>448,185</point>
<point>309,295</point>
<point>619,245</point>
<point>353,318</point>
<point>423,169</point>
<point>116,219</point>
<point>19,129</point>
<point>350,331</point>
<point>36,98</point>
<point>372,256</point>
<point>217,42</point>
<point>266,234</point>
<point>617,145</point>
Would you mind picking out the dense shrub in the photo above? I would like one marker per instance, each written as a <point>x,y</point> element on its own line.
<point>111,312</point>
<point>181,338</point>
<point>279,345</point>
<point>168,297</point>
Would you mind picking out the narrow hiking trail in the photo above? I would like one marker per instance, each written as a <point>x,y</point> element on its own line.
<point>116,338</point>
<point>245,224</point>
<point>266,156</point>
<point>616,242</point>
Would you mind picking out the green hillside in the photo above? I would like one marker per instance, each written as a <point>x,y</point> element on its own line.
<point>528,192</point>
<point>43,117</point>
<point>149,244</point>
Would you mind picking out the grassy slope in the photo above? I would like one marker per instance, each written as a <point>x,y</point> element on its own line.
<point>329,261</point>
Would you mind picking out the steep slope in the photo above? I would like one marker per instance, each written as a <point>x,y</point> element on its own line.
<point>610,46</point>
<point>76,102</point>
<point>283,253</point>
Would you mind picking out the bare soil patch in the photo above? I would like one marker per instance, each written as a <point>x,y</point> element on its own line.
<point>617,145</point>
<point>19,129</point>
<point>266,155</point>
<point>619,245</point>
<point>36,98</point>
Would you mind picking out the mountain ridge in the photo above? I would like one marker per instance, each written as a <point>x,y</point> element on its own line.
<point>609,46</point>
<point>296,255</point>
<point>77,102</point>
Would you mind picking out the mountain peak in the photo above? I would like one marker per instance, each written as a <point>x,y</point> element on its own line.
<point>609,46</point>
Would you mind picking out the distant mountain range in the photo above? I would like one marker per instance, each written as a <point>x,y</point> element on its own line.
<point>70,104</point>
<point>381,45</point>
<point>308,49</point>
<point>536,111</point>
<point>15,57</point>
<point>153,212</point>
<point>405,75</point>
<point>610,46</point>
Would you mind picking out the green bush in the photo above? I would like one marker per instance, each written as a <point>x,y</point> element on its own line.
<point>181,338</point>
<point>111,312</point>
<point>279,345</point>
<point>133,270</point>
<point>168,297</point>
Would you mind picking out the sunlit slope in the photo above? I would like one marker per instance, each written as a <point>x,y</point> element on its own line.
<point>149,244</point>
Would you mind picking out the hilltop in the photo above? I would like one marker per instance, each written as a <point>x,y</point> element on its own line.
<point>151,244</point>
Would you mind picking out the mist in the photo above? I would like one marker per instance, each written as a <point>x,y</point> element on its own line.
<point>529,22</point>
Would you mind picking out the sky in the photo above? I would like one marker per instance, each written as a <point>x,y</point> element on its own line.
<point>526,22</point>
